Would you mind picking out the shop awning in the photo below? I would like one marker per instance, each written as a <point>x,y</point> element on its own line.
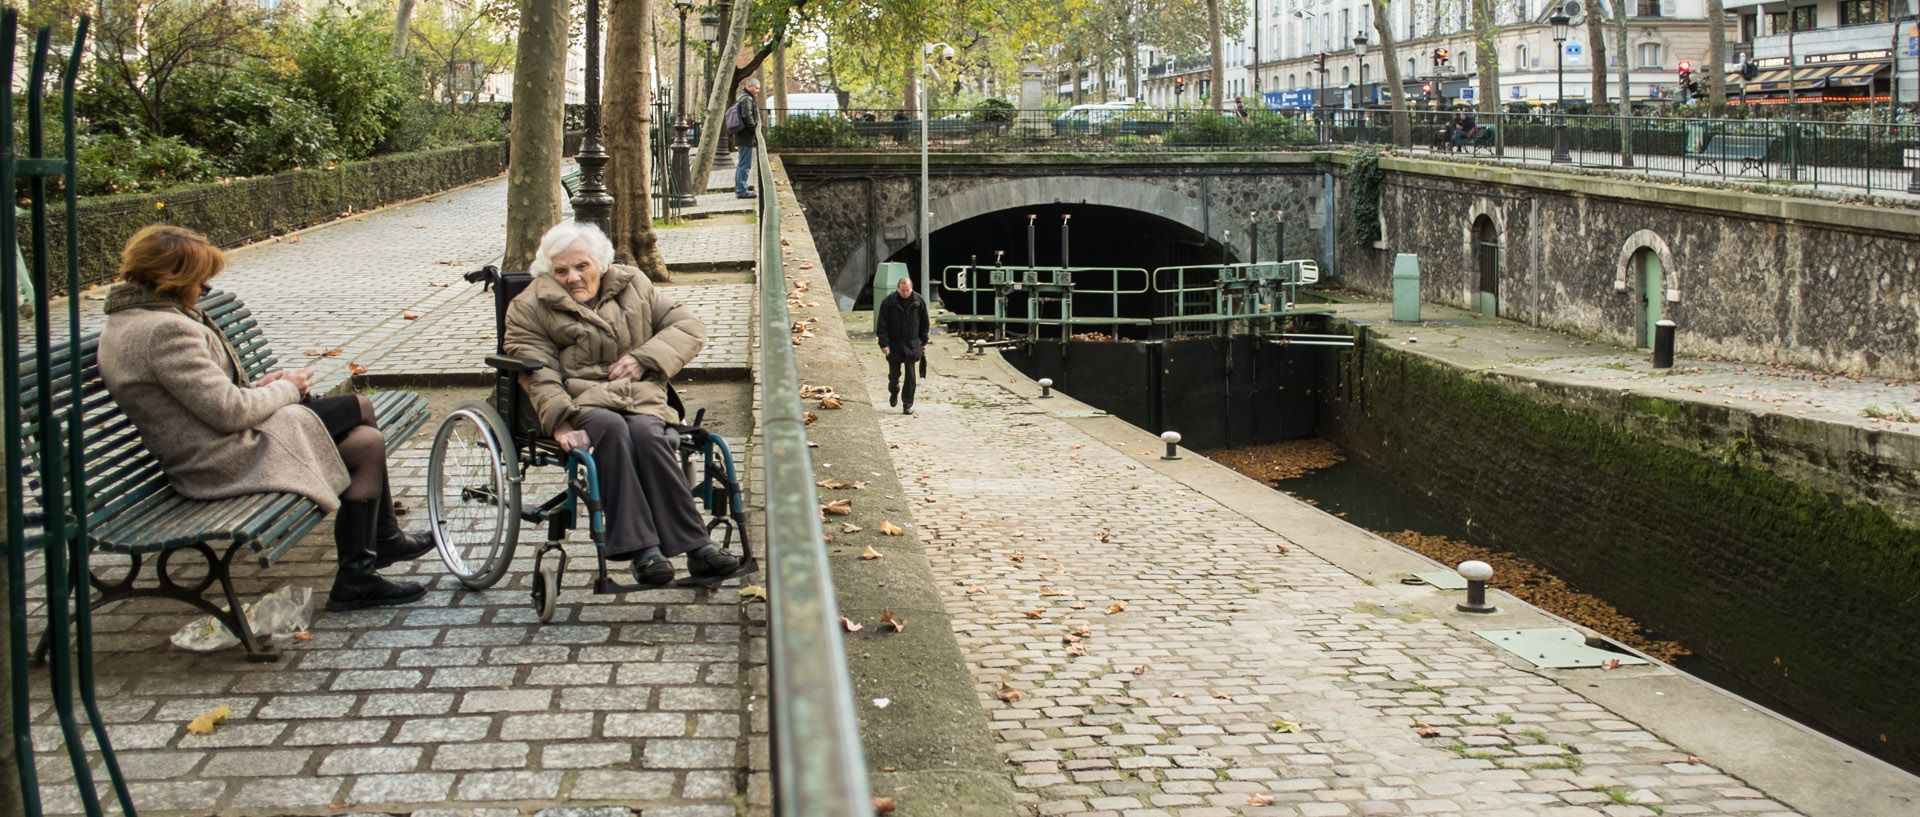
<point>1856,76</point>
<point>1804,79</point>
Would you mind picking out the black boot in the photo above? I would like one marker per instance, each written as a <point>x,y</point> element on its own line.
<point>392,544</point>
<point>355,585</point>
<point>651,568</point>
<point>710,560</point>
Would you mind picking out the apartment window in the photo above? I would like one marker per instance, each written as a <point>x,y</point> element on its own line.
<point>1520,59</point>
<point>1345,78</point>
<point>1346,21</point>
<point>1806,18</point>
<point>1649,55</point>
<point>1776,23</point>
<point>1749,26</point>
<point>1862,12</point>
<point>1647,8</point>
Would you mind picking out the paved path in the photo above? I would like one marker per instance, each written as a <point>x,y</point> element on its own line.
<point>462,704</point>
<point>1144,649</point>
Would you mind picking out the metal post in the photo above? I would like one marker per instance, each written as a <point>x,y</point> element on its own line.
<point>591,202</point>
<point>926,220</point>
<point>1360,72</point>
<point>682,195</point>
<point>1320,103</point>
<point>1476,573</point>
<point>1663,344</point>
<point>1560,23</point>
<point>723,158</point>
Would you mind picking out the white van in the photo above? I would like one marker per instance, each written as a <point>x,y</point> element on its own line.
<point>811,104</point>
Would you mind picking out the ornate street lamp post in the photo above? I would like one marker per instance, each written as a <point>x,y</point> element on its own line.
<point>591,203</point>
<point>1360,56</point>
<point>926,203</point>
<point>682,173</point>
<point>1560,23</point>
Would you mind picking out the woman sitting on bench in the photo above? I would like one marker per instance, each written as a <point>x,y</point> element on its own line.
<point>173,373</point>
<point>608,341</point>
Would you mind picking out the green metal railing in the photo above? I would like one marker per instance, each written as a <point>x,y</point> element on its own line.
<point>56,520</point>
<point>819,764</point>
<point>1212,299</point>
<point>1021,295</point>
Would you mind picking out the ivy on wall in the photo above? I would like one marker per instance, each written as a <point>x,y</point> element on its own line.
<point>1363,195</point>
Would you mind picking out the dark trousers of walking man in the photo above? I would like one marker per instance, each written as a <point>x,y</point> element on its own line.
<point>901,327</point>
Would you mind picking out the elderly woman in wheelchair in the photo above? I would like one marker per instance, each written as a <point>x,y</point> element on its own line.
<point>606,342</point>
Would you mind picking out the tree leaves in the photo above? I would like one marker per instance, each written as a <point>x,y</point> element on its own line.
<point>207,723</point>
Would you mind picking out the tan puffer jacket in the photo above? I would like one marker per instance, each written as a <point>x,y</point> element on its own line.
<point>579,346</point>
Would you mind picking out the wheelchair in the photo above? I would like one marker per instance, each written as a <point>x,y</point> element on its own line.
<point>484,449</point>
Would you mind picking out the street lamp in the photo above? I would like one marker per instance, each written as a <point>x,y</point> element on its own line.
<point>1560,23</point>
<point>682,193</point>
<point>1320,62</point>
<point>591,203</point>
<point>926,203</point>
<point>1360,56</point>
<point>710,33</point>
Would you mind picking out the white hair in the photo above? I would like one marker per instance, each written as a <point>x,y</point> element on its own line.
<point>563,235</point>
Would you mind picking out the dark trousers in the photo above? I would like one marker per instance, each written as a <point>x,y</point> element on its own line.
<point>641,485</point>
<point>894,366</point>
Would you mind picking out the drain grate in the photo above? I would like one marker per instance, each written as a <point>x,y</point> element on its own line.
<point>1555,648</point>
<point>1443,579</point>
<point>1079,414</point>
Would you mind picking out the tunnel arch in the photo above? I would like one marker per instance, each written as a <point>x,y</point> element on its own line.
<point>958,207</point>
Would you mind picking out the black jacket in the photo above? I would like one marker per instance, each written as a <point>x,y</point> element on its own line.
<point>747,136</point>
<point>902,326</point>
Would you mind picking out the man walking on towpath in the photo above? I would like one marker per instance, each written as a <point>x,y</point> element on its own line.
<point>745,137</point>
<point>901,327</point>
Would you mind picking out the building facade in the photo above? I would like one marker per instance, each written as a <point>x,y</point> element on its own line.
<point>1828,50</point>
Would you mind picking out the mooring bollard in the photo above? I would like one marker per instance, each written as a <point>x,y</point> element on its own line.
<point>1172,439</point>
<point>1046,387</point>
<point>1476,573</point>
<point>1663,344</point>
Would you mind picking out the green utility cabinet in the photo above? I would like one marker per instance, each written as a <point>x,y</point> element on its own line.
<point>885,277</point>
<point>1406,288</point>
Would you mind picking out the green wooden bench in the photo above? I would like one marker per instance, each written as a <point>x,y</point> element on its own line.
<point>133,511</point>
<point>570,181</point>
<point>1710,147</point>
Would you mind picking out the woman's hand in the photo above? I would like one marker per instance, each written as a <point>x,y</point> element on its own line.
<point>570,438</point>
<point>302,378</point>
<point>269,378</point>
<point>624,368</point>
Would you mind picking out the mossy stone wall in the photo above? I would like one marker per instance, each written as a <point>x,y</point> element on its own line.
<point>1677,512</point>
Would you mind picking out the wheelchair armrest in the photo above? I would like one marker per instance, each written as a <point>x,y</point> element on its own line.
<point>514,365</point>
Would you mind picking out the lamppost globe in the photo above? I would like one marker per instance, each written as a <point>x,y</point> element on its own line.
<point>709,27</point>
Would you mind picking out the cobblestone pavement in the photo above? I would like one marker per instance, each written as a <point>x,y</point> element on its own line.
<point>1143,650</point>
<point>462,703</point>
<point>704,247</point>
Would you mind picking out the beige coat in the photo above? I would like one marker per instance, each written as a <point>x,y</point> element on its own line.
<point>579,346</point>
<point>176,380</point>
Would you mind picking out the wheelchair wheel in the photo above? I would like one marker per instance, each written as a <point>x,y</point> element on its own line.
<point>546,591</point>
<point>473,494</point>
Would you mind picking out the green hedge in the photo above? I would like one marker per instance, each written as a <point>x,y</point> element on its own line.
<point>247,210</point>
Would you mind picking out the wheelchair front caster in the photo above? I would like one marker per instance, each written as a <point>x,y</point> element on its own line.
<point>546,590</point>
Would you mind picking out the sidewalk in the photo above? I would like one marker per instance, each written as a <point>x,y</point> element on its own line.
<point>462,704</point>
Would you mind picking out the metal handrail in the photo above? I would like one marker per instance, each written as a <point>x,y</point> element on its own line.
<point>819,764</point>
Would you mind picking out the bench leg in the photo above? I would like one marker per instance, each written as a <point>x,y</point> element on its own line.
<point>219,570</point>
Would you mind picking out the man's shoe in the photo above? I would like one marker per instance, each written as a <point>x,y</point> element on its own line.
<point>893,398</point>
<point>710,560</point>
<point>747,195</point>
<point>907,410</point>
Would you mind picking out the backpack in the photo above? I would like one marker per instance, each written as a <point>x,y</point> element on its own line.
<point>732,122</point>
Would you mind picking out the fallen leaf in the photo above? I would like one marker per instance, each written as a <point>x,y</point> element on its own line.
<point>303,635</point>
<point>833,484</point>
<point>205,724</point>
<point>850,528</point>
<point>1019,557</point>
<point>930,500</point>
<point>334,352</point>
<point>1058,591</point>
<point>871,554</point>
<point>883,805</point>
<point>975,589</point>
<point>810,418</point>
<point>1285,726</point>
<point>1084,631</point>
<point>1138,670</point>
<point>1069,638</point>
<point>356,369</point>
<point>1118,606</point>
<point>1179,694</point>
<point>1076,649</point>
<point>752,592</point>
<point>898,624</point>
<point>830,402</point>
<point>850,625</point>
<point>1222,695</point>
<point>1036,612</point>
<point>838,507</point>
<point>1078,605</point>
<point>1104,535</point>
<point>1259,800</point>
<point>293,239</point>
<point>439,283</point>
<point>1611,663</point>
<point>890,529</point>
<point>410,316</point>
<point>1008,693</point>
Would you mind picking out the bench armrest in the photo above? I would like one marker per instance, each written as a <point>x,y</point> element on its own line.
<point>514,365</point>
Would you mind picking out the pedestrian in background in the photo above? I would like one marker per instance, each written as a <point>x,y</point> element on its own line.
<point>747,137</point>
<point>901,326</point>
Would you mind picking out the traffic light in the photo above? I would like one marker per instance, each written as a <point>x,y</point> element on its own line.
<point>1686,71</point>
<point>1320,62</point>
<point>1179,85</point>
<point>1440,56</point>
<point>1426,90</point>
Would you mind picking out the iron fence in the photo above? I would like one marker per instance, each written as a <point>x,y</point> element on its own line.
<point>1866,156</point>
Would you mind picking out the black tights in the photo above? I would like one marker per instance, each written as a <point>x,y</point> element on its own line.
<point>364,450</point>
